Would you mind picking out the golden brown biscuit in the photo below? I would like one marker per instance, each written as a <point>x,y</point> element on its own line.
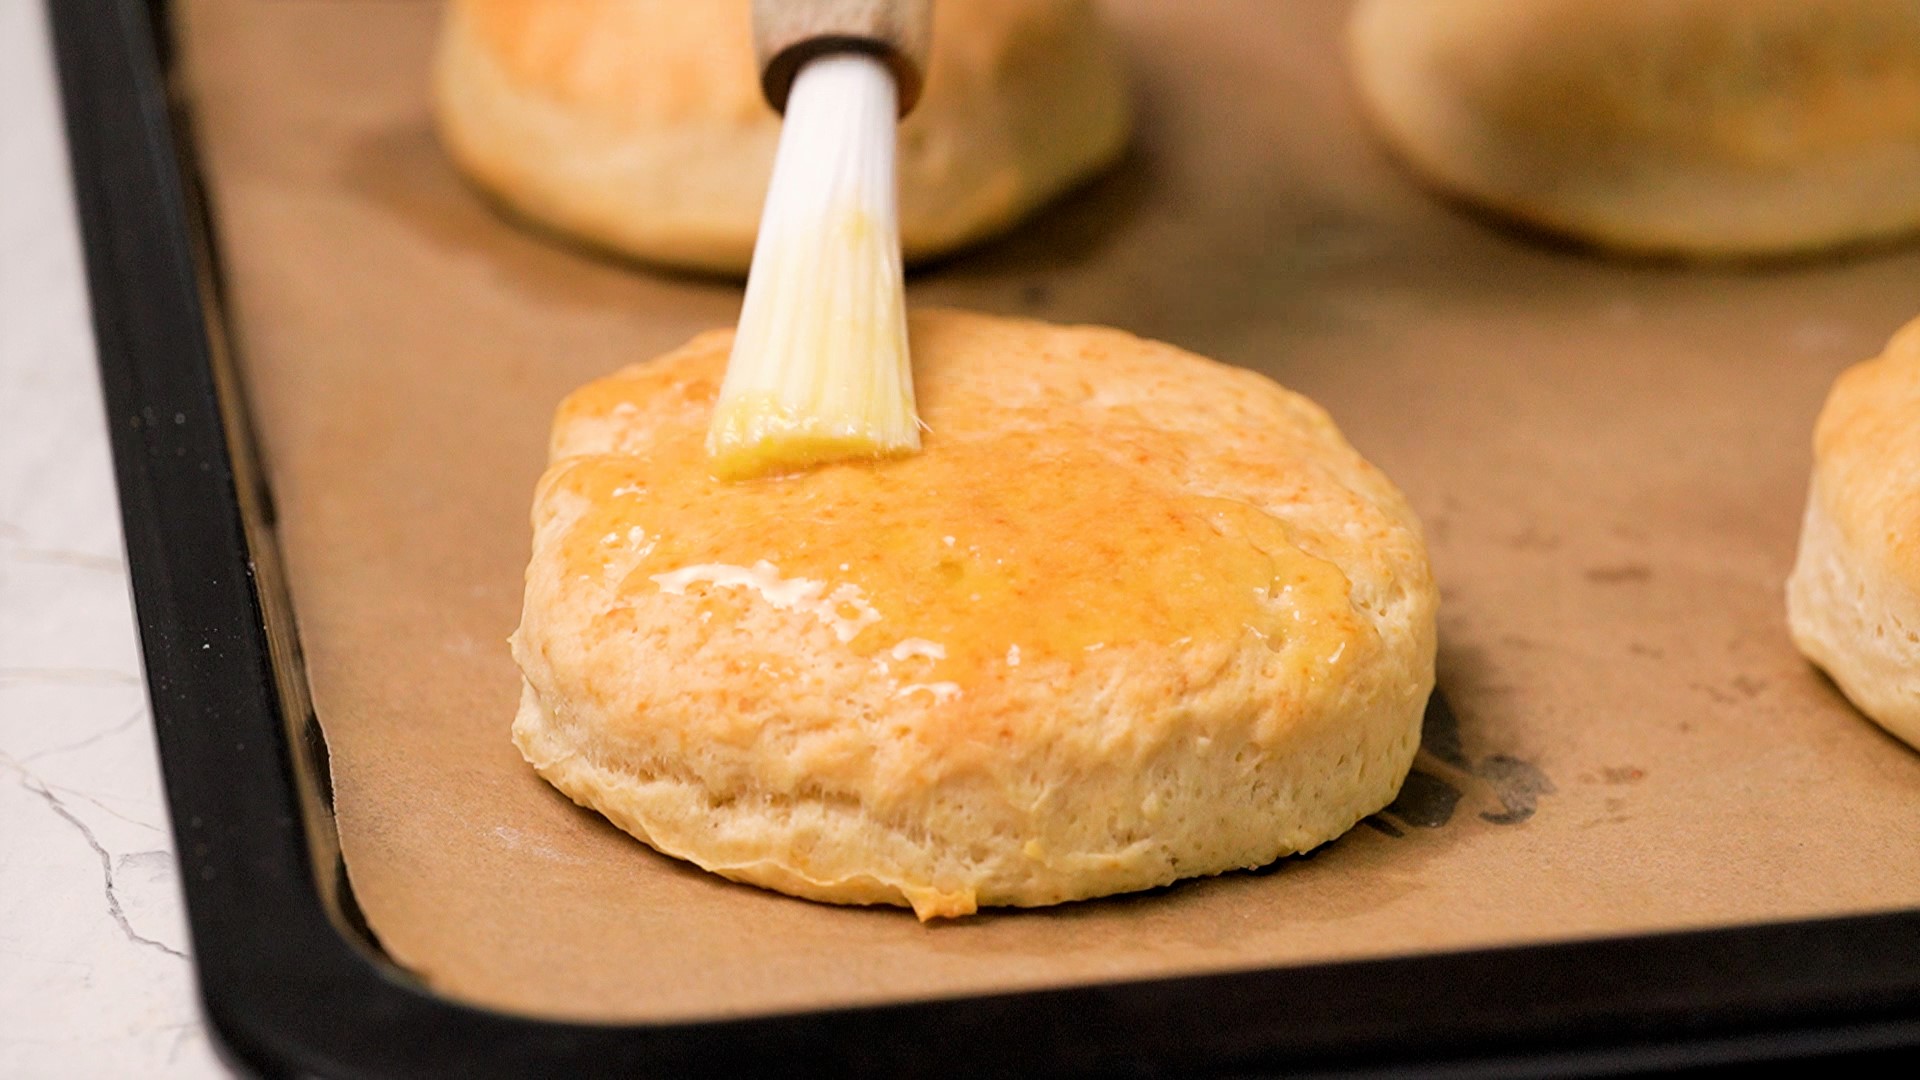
<point>1854,598</point>
<point>1130,616</point>
<point>638,126</point>
<point>1705,128</point>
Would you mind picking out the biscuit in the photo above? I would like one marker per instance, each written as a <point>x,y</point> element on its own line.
<point>1130,616</point>
<point>638,127</point>
<point>1853,601</point>
<point>1686,128</point>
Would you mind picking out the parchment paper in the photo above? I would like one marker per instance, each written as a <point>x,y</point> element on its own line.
<point>1610,460</point>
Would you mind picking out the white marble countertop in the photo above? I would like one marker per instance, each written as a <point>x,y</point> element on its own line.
<point>95,979</point>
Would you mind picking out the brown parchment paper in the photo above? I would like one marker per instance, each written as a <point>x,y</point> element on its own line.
<point>1610,460</point>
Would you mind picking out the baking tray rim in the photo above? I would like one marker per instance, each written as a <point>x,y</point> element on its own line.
<point>293,983</point>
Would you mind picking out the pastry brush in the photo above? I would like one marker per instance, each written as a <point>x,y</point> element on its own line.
<point>819,370</point>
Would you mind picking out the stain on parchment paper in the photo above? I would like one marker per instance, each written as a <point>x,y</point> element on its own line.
<point>1623,574</point>
<point>1518,785</point>
<point>1507,787</point>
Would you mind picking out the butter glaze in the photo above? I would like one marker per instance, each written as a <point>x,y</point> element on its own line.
<point>977,552</point>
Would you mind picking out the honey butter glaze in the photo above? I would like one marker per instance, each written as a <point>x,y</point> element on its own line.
<point>1030,547</point>
<point>1129,616</point>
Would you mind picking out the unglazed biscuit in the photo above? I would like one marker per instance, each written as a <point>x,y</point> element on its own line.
<point>1130,616</point>
<point>1697,128</point>
<point>638,125</point>
<point>1854,598</point>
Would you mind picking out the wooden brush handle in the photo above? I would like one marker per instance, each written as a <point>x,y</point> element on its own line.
<point>788,33</point>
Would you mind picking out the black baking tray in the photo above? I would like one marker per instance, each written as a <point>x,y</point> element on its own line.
<point>295,984</point>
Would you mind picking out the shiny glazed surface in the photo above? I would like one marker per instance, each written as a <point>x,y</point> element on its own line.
<point>1029,546</point>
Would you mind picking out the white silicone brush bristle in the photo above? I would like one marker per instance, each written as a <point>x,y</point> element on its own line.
<point>819,370</point>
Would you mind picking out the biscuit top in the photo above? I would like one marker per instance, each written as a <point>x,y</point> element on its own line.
<point>1867,454</point>
<point>699,65</point>
<point>698,56</point>
<point>1760,84</point>
<point>1030,548</point>
<point>1717,128</point>
<point>1045,520</point>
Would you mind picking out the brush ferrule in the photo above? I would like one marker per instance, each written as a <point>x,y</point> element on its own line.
<point>788,34</point>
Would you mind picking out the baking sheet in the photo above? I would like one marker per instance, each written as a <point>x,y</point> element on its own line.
<point>1610,460</point>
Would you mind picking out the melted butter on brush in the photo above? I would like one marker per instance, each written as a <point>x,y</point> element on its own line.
<point>819,370</point>
<point>1021,549</point>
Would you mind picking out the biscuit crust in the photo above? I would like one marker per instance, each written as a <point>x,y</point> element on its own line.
<point>637,125</point>
<point>1131,616</point>
<point>1853,600</point>
<point>1707,129</point>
